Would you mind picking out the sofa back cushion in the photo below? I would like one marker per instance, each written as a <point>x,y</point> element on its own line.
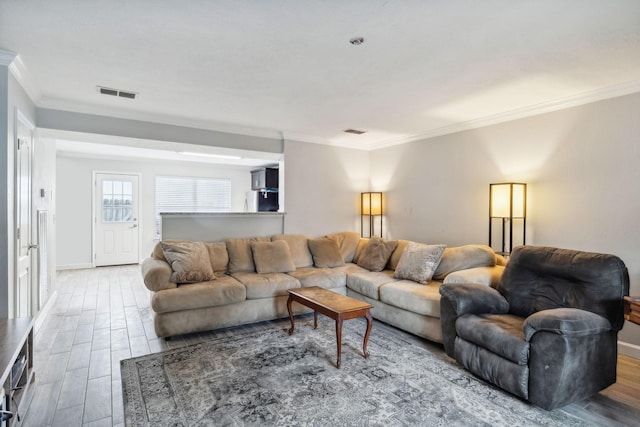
<point>394,259</point>
<point>218,256</point>
<point>272,257</point>
<point>189,262</point>
<point>347,242</point>
<point>326,253</point>
<point>464,257</point>
<point>538,278</point>
<point>299,247</point>
<point>240,254</point>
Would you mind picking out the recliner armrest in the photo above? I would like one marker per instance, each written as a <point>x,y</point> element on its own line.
<point>565,321</point>
<point>471,298</point>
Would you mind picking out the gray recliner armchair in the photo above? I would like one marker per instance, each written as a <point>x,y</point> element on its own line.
<point>548,331</point>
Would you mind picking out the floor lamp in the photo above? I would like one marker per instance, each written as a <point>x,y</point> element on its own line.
<point>370,207</point>
<point>507,203</point>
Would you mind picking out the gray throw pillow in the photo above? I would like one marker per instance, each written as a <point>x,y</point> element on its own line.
<point>325,252</point>
<point>375,255</point>
<point>418,262</point>
<point>272,257</point>
<point>189,261</point>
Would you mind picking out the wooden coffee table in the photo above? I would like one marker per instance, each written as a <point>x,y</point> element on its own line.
<point>333,305</point>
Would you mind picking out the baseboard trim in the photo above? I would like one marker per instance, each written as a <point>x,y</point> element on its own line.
<point>74,267</point>
<point>629,349</point>
<point>42,314</point>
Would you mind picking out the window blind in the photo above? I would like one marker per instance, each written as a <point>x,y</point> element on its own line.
<point>186,194</point>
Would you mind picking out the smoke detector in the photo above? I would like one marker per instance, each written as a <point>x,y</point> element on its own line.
<point>116,92</point>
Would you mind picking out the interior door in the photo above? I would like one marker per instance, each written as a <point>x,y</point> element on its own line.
<point>23,246</point>
<point>116,219</point>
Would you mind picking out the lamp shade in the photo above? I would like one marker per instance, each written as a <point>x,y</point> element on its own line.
<point>508,200</point>
<point>371,203</point>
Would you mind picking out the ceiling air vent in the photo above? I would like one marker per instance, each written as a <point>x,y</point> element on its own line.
<point>116,92</point>
<point>355,131</point>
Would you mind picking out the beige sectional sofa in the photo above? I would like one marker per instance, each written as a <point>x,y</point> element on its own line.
<point>242,281</point>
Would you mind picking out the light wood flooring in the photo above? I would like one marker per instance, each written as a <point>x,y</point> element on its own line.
<point>102,316</point>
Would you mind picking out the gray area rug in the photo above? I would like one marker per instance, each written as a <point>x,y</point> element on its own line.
<point>270,378</point>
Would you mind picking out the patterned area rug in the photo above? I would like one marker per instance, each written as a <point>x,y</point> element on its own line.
<point>270,378</point>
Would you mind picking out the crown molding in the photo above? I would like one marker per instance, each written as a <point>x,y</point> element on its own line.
<point>558,104</point>
<point>6,57</point>
<point>21,73</point>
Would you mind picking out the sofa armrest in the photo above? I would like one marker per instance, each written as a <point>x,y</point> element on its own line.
<point>488,276</point>
<point>156,274</point>
<point>565,321</point>
<point>470,298</point>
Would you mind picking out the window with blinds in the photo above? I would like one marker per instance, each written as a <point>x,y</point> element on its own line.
<point>185,194</point>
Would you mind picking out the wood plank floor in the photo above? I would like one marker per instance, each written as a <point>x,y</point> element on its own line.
<point>102,316</point>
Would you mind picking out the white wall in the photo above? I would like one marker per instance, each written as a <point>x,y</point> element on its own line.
<point>322,186</point>
<point>74,199</point>
<point>582,170</point>
<point>44,178</point>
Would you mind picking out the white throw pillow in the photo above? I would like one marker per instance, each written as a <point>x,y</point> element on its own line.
<point>418,262</point>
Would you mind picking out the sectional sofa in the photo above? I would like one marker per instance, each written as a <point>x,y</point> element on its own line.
<point>198,286</point>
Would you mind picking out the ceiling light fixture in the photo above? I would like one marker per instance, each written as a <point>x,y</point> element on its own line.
<point>355,131</point>
<point>216,156</point>
<point>357,41</point>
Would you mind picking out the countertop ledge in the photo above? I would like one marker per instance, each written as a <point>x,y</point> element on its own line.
<point>167,214</point>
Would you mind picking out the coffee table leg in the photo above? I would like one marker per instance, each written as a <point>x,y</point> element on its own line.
<point>339,338</point>
<point>315,319</point>
<point>291,329</point>
<point>366,335</point>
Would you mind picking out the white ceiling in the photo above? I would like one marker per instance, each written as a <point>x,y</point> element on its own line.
<point>286,67</point>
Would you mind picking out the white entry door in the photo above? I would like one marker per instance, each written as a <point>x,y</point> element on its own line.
<point>116,220</point>
<point>22,286</point>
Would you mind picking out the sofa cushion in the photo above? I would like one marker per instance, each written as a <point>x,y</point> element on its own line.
<point>397,254</point>
<point>368,282</point>
<point>347,243</point>
<point>328,278</point>
<point>225,290</point>
<point>463,257</point>
<point>299,247</point>
<point>488,276</point>
<point>272,257</point>
<point>266,285</point>
<point>502,334</point>
<point>189,261</point>
<point>376,253</point>
<point>240,254</point>
<point>412,296</point>
<point>218,256</point>
<point>362,243</point>
<point>325,253</point>
<point>419,262</point>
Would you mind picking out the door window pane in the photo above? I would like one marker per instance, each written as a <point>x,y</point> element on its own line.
<point>117,201</point>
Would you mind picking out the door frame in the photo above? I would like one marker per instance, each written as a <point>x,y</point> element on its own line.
<point>21,118</point>
<point>95,208</point>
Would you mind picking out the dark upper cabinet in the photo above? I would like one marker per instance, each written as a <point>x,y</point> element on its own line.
<point>264,178</point>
